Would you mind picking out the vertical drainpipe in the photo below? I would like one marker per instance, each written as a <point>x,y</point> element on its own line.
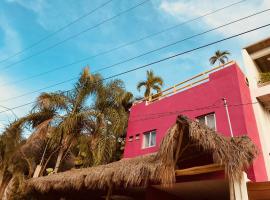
<point>228,115</point>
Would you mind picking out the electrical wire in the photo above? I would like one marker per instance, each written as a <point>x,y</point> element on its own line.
<point>166,58</point>
<point>165,114</point>
<point>143,66</point>
<point>121,46</point>
<point>73,36</point>
<point>57,31</point>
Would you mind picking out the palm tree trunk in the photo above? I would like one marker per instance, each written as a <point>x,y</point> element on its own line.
<point>59,159</point>
<point>150,95</point>
<point>39,166</point>
<point>47,161</point>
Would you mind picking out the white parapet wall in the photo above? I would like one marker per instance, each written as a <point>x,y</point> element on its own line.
<point>261,111</point>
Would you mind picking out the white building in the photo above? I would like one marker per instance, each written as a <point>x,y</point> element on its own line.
<point>257,60</point>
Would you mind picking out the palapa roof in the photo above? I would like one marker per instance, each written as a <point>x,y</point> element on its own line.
<point>236,154</point>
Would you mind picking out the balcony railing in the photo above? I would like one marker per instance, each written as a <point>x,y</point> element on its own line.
<point>191,82</point>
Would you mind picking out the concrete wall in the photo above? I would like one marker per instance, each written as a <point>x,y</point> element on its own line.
<point>229,83</point>
<point>262,115</point>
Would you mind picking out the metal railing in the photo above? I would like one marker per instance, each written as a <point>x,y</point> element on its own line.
<point>191,82</point>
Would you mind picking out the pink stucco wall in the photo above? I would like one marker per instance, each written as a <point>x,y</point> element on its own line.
<point>229,83</point>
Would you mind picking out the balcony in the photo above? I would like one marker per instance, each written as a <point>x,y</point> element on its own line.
<point>263,94</point>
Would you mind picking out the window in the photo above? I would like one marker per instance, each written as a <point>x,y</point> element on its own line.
<point>130,138</point>
<point>209,120</point>
<point>137,137</point>
<point>149,139</point>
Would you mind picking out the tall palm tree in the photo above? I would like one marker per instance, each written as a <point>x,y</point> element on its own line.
<point>112,104</point>
<point>75,116</point>
<point>93,110</point>
<point>152,83</point>
<point>220,56</point>
<point>91,118</point>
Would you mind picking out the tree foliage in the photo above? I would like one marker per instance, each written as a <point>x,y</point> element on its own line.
<point>151,83</point>
<point>79,128</point>
<point>220,56</point>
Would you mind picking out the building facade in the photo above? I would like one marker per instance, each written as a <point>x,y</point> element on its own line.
<point>202,98</point>
<point>257,61</point>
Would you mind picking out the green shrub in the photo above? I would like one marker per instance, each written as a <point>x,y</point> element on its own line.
<point>265,77</point>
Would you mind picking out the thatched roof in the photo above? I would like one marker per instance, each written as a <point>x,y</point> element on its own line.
<point>234,153</point>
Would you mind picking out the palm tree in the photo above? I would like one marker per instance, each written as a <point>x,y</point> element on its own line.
<point>220,56</point>
<point>18,156</point>
<point>86,122</point>
<point>75,117</point>
<point>99,123</point>
<point>152,83</point>
<point>10,141</point>
<point>112,104</point>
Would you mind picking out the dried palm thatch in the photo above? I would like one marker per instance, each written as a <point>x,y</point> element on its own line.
<point>234,153</point>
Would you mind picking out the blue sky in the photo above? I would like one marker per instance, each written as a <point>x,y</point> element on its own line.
<point>23,22</point>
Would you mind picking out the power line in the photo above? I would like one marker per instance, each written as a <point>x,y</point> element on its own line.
<point>57,31</point>
<point>166,58</point>
<point>124,45</point>
<point>8,109</point>
<point>75,35</point>
<point>127,60</point>
<point>176,111</point>
<point>165,114</point>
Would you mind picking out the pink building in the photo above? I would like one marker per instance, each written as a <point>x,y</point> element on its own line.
<point>201,98</point>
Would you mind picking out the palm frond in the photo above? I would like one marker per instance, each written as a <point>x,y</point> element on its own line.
<point>140,84</point>
<point>221,56</point>
<point>52,101</point>
<point>158,80</point>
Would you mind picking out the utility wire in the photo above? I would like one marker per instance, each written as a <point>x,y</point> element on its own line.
<point>123,45</point>
<point>74,78</point>
<point>166,58</point>
<point>160,113</point>
<point>165,114</point>
<point>57,31</point>
<point>74,36</point>
<point>11,110</point>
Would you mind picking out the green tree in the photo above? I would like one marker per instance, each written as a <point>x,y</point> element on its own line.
<point>152,83</point>
<point>82,127</point>
<point>94,111</point>
<point>220,56</point>
<point>264,77</point>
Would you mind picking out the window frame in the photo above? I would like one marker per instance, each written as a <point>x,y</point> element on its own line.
<point>205,119</point>
<point>150,138</point>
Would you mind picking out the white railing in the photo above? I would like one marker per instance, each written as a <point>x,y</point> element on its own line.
<point>191,82</point>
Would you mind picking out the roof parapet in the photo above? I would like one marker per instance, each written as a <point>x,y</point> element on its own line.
<point>188,83</point>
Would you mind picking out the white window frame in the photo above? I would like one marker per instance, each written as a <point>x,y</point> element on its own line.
<point>205,119</point>
<point>150,138</point>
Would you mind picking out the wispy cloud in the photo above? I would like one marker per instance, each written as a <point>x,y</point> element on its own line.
<point>182,10</point>
<point>9,92</point>
<point>53,14</point>
<point>11,40</point>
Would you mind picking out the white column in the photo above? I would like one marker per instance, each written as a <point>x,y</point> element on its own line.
<point>238,189</point>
